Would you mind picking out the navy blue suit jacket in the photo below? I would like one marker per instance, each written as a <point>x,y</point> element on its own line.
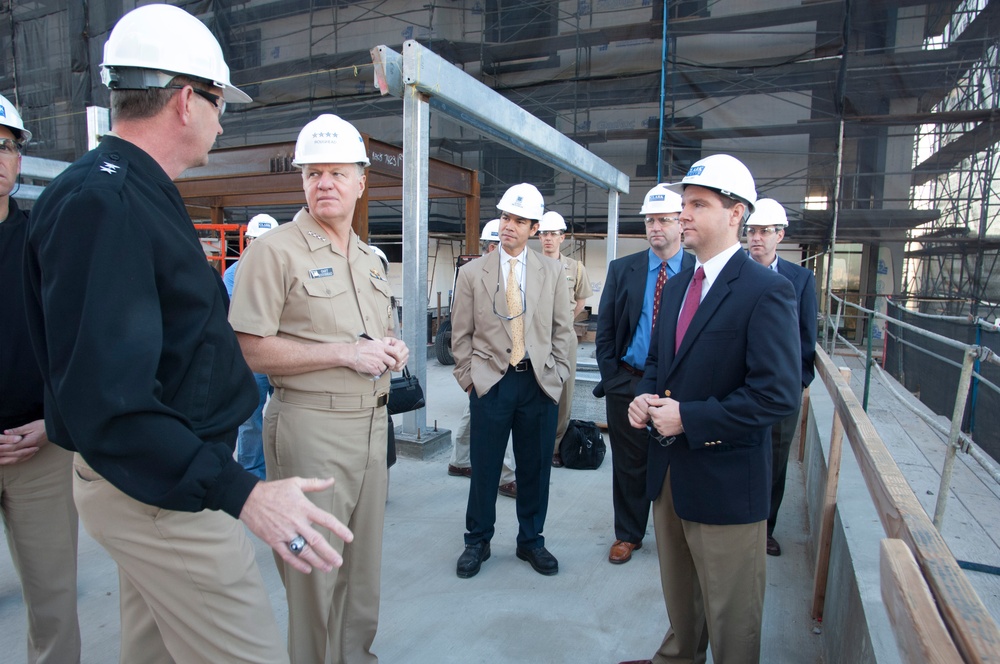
<point>621,305</point>
<point>735,374</point>
<point>804,283</point>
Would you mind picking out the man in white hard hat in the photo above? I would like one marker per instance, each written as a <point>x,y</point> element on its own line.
<point>249,441</point>
<point>510,337</point>
<point>723,366</point>
<point>764,230</point>
<point>36,488</point>
<point>627,317</point>
<point>144,378</point>
<point>313,310</point>
<point>459,464</point>
<point>551,233</point>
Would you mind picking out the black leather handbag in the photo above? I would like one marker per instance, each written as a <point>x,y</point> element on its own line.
<point>405,394</point>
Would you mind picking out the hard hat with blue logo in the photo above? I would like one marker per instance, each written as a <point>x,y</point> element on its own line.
<point>261,224</point>
<point>10,118</point>
<point>524,200</point>
<point>723,173</point>
<point>491,231</point>
<point>661,200</point>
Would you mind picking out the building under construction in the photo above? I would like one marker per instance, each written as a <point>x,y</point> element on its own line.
<point>874,123</point>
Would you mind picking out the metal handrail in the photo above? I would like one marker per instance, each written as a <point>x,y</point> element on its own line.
<point>957,440</point>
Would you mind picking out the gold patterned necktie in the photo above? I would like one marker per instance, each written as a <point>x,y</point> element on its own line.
<point>514,308</point>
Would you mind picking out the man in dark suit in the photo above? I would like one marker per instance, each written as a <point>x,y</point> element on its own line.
<point>511,333</point>
<point>723,367</point>
<point>624,324</point>
<point>764,230</point>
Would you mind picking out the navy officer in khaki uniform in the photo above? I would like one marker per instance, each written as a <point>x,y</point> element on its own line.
<point>311,309</point>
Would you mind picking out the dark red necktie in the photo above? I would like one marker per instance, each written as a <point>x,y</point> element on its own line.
<point>691,303</point>
<point>661,279</point>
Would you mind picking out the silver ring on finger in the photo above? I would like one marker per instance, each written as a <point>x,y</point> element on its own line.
<point>297,544</point>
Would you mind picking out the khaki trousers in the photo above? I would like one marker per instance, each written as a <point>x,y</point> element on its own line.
<point>713,580</point>
<point>191,590</point>
<point>566,398</point>
<point>333,617</point>
<point>36,502</point>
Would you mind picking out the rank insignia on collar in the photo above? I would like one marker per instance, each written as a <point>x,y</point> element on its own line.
<point>109,168</point>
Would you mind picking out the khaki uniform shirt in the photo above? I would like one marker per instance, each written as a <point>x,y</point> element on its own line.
<point>295,284</point>
<point>576,280</point>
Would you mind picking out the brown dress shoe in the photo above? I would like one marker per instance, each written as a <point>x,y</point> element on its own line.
<point>557,460</point>
<point>509,489</point>
<point>459,471</point>
<point>773,548</point>
<point>621,552</point>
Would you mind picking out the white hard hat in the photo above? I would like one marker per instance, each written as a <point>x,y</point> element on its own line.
<point>330,140</point>
<point>10,118</point>
<point>661,200</point>
<point>381,254</point>
<point>524,200</point>
<point>152,44</point>
<point>261,224</point>
<point>491,231</point>
<point>551,221</point>
<point>723,173</point>
<point>768,212</point>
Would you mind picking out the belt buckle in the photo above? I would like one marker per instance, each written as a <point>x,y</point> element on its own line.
<point>383,399</point>
<point>521,366</point>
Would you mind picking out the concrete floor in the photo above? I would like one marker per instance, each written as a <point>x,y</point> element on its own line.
<point>591,611</point>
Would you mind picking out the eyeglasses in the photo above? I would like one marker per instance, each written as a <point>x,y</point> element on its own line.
<point>9,147</point>
<point>500,315</point>
<point>763,231</point>
<point>663,221</point>
<point>213,99</point>
<point>664,441</point>
<point>549,233</point>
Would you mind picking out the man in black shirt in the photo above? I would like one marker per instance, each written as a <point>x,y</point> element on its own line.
<point>144,378</point>
<point>36,491</point>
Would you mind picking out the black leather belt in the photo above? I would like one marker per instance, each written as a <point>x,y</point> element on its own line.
<point>629,368</point>
<point>523,365</point>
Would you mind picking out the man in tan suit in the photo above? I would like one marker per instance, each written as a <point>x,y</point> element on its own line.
<point>511,331</point>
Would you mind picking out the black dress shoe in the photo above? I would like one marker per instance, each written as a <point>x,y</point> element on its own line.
<point>773,548</point>
<point>472,559</point>
<point>541,560</point>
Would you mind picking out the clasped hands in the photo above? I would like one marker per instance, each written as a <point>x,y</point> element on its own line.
<point>376,356</point>
<point>663,413</point>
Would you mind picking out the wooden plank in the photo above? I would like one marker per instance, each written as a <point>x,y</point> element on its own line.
<point>827,512</point>
<point>973,629</point>
<point>920,633</point>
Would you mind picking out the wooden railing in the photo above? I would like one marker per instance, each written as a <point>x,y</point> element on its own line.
<point>936,613</point>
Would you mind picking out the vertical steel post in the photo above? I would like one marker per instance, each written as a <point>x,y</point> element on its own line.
<point>868,361</point>
<point>416,149</point>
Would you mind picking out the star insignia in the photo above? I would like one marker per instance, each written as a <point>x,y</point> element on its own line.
<point>108,167</point>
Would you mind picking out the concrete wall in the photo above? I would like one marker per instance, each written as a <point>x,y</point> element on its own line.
<point>856,627</point>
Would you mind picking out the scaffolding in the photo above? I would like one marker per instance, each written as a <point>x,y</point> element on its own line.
<point>874,119</point>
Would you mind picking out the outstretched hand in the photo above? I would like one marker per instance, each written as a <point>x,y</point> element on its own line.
<point>278,511</point>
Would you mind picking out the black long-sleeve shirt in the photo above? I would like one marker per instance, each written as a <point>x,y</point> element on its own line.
<point>20,379</point>
<point>143,374</point>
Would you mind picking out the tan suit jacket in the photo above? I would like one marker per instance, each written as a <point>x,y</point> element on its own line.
<point>481,340</point>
